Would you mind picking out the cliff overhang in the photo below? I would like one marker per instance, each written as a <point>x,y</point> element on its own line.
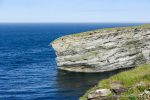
<point>104,49</point>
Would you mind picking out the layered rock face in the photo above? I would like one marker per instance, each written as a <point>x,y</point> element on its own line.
<point>104,49</point>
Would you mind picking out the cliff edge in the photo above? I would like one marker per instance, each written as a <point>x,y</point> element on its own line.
<point>104,49</point>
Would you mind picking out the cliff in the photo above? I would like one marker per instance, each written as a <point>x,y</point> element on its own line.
<point>104,49</point>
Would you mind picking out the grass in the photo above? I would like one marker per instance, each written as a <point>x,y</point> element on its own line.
<point>79,35</point>
<point>129,80</point>
<point>110,29</point>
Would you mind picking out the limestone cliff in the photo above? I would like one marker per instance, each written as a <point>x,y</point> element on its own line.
<point>104,49</point>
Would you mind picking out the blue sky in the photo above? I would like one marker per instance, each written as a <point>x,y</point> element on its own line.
<point>74,11</point>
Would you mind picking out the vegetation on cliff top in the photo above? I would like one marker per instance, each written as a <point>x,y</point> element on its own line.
<point>135,81</point>
<point>100,31</point>
<point>111,29</point>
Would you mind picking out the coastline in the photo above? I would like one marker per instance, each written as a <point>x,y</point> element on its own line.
<point>74,52</point>
<point>127,85</point>
<point>103,49</point>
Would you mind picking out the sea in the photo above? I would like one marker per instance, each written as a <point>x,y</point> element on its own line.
<point>28,70</point>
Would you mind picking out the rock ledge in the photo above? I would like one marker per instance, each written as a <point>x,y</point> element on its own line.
<point>104,49</point>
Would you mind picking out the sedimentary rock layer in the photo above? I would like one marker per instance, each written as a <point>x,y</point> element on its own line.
<point>104,49</point>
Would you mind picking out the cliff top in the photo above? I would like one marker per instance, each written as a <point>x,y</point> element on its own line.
<point>101,31</point>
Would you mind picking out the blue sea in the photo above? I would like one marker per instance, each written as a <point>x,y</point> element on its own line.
<point>28,70</point>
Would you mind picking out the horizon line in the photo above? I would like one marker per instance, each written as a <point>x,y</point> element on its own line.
<point>66,22</point>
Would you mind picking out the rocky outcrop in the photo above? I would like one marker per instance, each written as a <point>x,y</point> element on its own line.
<point>104,49</point>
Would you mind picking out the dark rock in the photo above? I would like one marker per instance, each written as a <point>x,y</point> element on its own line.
<point>119,90</point>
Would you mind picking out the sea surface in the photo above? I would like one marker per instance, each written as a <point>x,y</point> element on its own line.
<point>28,70</point>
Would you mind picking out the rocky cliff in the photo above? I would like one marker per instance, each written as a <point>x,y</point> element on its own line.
<point>104,49</point>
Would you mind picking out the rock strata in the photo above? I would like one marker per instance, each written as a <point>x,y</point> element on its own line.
<point>104,49</point>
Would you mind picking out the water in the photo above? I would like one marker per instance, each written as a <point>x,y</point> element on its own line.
<point>28,70</point>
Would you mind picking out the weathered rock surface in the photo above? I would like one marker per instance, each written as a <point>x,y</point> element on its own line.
<point>104,49</point>
<point>99,93</point>
<point>145,95</point>
<point>117,88</point>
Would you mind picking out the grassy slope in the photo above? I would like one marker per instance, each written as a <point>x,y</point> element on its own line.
<point>128,79</point>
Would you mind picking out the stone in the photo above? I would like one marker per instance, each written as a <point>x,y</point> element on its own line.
<point>118,91</point>
<point>144,96</point>
<point>104,49</point>
<point>99,93</point>
<point>117,88</point>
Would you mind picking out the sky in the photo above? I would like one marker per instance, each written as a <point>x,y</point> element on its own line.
<point>51,11</point>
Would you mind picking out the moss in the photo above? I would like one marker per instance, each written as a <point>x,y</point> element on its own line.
<point>128,79</point>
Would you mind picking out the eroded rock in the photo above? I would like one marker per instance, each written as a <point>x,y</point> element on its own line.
<point>103,50</point>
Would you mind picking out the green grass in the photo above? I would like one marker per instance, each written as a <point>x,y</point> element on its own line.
<point>79,35</point>
<point>110,29</point>
<point>129,80</point>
